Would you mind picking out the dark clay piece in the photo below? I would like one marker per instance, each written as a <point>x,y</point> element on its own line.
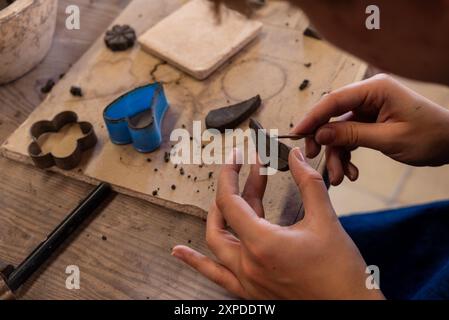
<point>283,150</point>
<point>231,116</point>
<point>76,91</point>
<point>120,38</point>
<point>48,86</point>
<point>312,33</point>
<point>304,85</point>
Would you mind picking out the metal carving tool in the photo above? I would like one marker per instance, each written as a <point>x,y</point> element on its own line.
<point>294,136</point>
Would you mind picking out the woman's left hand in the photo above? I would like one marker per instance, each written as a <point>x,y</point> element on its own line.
<point>313,259</point>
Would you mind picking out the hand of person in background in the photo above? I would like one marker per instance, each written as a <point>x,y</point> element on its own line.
<point>379,113</point>
<point>313,259</point>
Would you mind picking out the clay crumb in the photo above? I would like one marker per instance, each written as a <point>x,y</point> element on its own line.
<point>304,85</point>
<point>76,91</point>
<point>48,86</point>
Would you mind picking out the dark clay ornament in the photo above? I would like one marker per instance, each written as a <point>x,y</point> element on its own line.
<point>231,116</point>
<point>120,38</point>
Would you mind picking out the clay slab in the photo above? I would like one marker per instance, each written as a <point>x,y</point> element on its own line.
<point>192,39</point>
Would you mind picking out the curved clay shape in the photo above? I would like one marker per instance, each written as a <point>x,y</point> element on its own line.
<point>231,116</point>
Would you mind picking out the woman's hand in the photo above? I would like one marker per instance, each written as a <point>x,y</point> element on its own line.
<point>313,259</point>
<point>379,113</point>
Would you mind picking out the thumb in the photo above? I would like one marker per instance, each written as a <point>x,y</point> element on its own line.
<point>376,136</point>
<point>311,186</point>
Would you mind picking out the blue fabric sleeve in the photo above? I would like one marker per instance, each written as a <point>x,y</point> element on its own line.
<point>409,245</point>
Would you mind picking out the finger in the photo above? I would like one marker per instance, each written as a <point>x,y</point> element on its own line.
<point>224,245</point>
<point>334,165</point>
<point>255,189</point>
<point>311,186</point>
<point>313,149</point>
<point>210,269</point>
<point>229,174</point>
<point>350,134</point>
<point>339,102</point>
<point>351,171</point>
<point>236,211</point>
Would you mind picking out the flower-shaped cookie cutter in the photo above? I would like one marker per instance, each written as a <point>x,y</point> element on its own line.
<point>47,160</point>
<point>136,117</point>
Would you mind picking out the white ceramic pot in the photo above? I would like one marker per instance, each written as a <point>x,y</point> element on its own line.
<point>26,34</point>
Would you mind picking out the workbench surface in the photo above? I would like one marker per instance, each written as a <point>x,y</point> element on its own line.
<point>124,253</point>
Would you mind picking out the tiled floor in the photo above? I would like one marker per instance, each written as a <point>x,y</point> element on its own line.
<point>384,183</point>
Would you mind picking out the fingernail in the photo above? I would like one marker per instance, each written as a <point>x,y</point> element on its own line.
<point>353,173</point>
<point>176,254</point>
<point>234,157</point>
<point>298,154</point>
<point>238,156</point>
<point>325,136</point>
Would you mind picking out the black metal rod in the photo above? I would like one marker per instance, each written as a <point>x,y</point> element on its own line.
<point>58,236</point>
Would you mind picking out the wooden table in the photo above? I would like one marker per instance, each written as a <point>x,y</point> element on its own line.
<point>124,253</point>
<point>134,262</point>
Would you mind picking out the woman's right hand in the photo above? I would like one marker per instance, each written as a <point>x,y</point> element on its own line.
<point>379,113</point>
